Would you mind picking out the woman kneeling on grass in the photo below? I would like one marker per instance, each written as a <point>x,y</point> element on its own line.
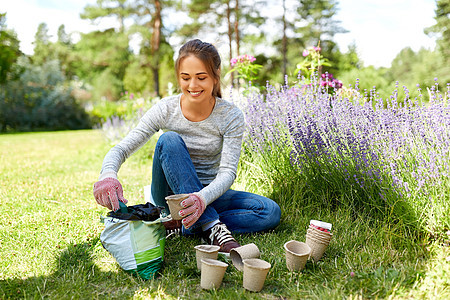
<point>197,154</point>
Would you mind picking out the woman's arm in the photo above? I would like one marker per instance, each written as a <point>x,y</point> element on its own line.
<point>135,139</point>
<point>231,151</point>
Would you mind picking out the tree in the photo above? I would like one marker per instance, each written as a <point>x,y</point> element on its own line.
<point>148,24</point>
<point>319,25</point>
<point>119,9</point>
<point>237,13</point>
<point>312,23</point>
<point>45,50</point>
<point>348,61</point>
<point>403,63</point>
<point>42,50</point>
<point>103,56</point>
<point>9,50</point>
<point>206,19</point>
<point>421,68</point>
<point>248,20</point>
<point>442,26</point>
<point>284,40</point>
<point>368,78</point>
<point>62,50</point>
<point>442,30</point>
<point>154,48</point>
<point>216,18</point>
<point>101,59</point>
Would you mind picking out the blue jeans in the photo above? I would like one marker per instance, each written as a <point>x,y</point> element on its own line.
<point>174,173</point>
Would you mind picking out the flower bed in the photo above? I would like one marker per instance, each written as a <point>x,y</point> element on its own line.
<point>388,158</point>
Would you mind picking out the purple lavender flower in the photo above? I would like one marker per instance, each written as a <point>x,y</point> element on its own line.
<point>396,150</point>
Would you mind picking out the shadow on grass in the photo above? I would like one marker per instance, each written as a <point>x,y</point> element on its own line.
<point>371,254</point>
<point>380,260</point>
<point>76,276</point>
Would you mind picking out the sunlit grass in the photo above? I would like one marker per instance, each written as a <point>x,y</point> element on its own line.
<point>49,235</point>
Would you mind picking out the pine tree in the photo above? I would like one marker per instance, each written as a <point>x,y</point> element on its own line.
<point>9,49</point>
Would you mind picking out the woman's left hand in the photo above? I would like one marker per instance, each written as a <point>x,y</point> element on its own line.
<point>194,208</point>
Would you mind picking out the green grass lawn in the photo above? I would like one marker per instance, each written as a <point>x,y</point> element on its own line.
<point>50,248</point>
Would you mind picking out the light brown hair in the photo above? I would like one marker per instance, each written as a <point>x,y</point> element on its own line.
<point>208,54</point>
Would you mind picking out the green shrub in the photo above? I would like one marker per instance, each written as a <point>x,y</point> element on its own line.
<point>38,100</point>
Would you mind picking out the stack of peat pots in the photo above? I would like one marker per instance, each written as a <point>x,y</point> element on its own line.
<point>318,236</point>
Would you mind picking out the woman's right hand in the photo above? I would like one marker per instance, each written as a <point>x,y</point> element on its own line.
<point>108,192</point>
<point>193,208</point>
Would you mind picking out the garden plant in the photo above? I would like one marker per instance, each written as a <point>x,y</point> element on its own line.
<point>245,67</point>
<point>361,147</point>
<point>247,70</point>
<point>378,172</point>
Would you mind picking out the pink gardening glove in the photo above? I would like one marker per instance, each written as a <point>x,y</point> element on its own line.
<point>194,208</point>
<point>108,192</point>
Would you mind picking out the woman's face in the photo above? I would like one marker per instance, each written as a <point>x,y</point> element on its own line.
<point>195,81</point>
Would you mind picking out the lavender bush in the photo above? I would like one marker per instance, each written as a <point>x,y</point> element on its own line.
<point>125,115</point>
<point>116,128</point>
<point>360,151</point>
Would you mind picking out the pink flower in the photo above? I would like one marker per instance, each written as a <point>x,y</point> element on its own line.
<point>305,53</point>
<point>317,49</point>
<point>242,59</point>
<point>328,76</point>
<point>247,57</point>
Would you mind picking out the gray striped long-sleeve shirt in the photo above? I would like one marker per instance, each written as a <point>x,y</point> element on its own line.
<point>214,144</point>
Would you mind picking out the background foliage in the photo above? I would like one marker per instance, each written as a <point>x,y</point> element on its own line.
<point>40,100</point>
<point>137,55</point>
<point>372,161</point>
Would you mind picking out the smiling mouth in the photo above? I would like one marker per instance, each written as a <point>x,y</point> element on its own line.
<point>195,93</point>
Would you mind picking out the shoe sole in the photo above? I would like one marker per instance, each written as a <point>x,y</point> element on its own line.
<point>226,254</point>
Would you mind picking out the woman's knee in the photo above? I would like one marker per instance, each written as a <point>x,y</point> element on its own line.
<point>169,136</point>
<point>270,213</point>
<point>169,140</point>
<point>274,213</point>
